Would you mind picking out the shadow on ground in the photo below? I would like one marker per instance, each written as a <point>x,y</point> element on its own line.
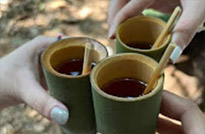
<point>195,65</point>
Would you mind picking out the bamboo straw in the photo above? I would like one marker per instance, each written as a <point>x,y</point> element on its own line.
<point>160,67</point>
<point>87,58</point>
<point>168,27</point>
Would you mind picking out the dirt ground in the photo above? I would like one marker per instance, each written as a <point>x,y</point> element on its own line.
<point>22,20</point>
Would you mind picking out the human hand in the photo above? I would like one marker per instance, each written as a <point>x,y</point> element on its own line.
<point>185,111</point>
<point>22,81</point>
<point>192,17</point>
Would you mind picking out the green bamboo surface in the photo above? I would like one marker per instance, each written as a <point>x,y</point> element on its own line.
<point>73,91</point>
<point>117,115</point>
<point>141,29</point>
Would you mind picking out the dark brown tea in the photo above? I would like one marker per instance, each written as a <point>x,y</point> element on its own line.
<point>125,87</point>
<point>72,67</point>
<point>140,45</point>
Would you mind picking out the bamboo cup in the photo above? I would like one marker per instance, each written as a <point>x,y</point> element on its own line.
<point>73,91</point>
<point>168,27</point>
<point>141,29</point>
<point>117,115</point>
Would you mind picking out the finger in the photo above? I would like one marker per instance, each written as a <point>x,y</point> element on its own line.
<point>40,41</point>
<point>167,127</point>
<point>185,111</point>
<point>115,6</point>
<point>33,47</point>
<point>132,8</point>
<point>165,6</point>
<point>192,17</point>
<point>35,96</point>
<point>61,36</point>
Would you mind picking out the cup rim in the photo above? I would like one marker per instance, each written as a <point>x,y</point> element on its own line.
<point>122,99</point>
<point>147,18</point>
<point>47,65</point>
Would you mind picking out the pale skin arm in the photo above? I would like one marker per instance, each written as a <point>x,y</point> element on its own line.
<point>192,17</point>
<point>22,81</point>
<point>183,110</point>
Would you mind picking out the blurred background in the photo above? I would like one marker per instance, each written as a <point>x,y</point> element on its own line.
<point>22,20</point>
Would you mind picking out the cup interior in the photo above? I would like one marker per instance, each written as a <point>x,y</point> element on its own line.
<point>71,48</point>
<point>124,65</point>
<point>141,30</point>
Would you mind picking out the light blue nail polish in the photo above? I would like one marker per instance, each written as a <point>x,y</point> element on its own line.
<point>175,54</point>
<point>59,115</point>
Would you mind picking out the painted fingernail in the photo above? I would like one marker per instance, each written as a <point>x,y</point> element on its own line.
<point>59,36</point>
<point>175,54</point>
<point>59,115</point>
<point>110,33</point>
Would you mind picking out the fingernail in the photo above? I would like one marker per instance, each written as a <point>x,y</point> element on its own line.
<point>175,54</point>
<point>59,115</point>
<point>110,33</point>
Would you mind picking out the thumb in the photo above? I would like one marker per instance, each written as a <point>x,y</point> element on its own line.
<point>192,17</point>
<point>34,95</point>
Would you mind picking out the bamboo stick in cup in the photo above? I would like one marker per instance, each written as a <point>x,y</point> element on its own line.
<point>160,67</point>
<point>87,58</point>
<point>168,27</point>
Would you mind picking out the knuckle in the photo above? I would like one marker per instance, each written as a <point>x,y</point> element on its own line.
<point>48,104</point>
<point>44,106</point>
<point>40,37</point>
<point>40,104</point>
<point>184,35</point>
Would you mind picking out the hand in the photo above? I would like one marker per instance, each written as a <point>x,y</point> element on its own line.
<point>21,81</point>
<point>192,17</point>
<point>185,111</point>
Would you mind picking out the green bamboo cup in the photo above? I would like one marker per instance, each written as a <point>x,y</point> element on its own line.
<point>73,91</point>
<point>141,29</point>
<point>118,115</point>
